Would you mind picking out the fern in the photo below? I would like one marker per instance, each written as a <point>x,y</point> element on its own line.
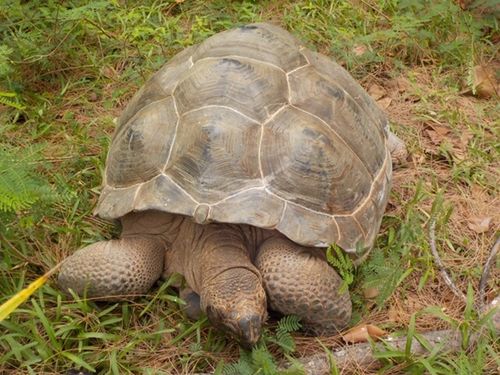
<point>283,339</point>
<point>343,264</point>
<point>260,360</point>
<point>5,100</point>
<point>20,187</point>
<point>385,273</point>
<point>390,264</point>
<point>264,361</point>
<point>244,366</point>
<point>5,64</point>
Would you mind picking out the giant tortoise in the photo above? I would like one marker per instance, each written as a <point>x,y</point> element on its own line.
<point>235,165</point>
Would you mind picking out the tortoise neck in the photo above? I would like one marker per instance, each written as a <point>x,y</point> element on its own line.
<point>168,227</point>
<point>152,223</point>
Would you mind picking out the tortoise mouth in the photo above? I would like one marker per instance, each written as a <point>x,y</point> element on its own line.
<point>250,328</point>
<point>245,328</point>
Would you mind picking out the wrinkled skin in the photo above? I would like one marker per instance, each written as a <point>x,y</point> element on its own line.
<point>234,273</point>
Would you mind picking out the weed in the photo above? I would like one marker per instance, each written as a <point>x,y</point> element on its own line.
<point>259,359</point>
<point>342,263</point>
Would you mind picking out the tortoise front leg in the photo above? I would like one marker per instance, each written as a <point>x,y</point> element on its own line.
<point>115,269</point>
<point>299,281</point>
<point>193,304</point>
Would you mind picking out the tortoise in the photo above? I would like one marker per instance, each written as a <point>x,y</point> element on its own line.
<point>236,165</point>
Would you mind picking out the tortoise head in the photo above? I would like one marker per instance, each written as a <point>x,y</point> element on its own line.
<point>245,326</point>
<point>238,307</point>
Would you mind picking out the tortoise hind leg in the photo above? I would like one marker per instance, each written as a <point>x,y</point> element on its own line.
<point>299,281</point>
<point>397,148</point>
<point>110,270</point>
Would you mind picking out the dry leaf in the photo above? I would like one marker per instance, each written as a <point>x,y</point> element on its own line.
<point>376,92</point>
<point>479,224</point>
<point>484,81</point>
<point>434,136</point>
<point>399,85</point>
<point>371,293</point>
<point>359,49</point>
<point>93,97</point>
<point>437,133</point>
<point>441,130</point>
<point>458,154</point>
<point>464,4</point>
<point>362,332</point>
<point>384,103</point>
<point>459,145</point>
<point>393,314</point>
<point>477,191</point>
<point>465,138</point>
<point>109,72</point>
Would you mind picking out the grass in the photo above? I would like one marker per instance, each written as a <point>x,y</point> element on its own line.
<point>68,69</point>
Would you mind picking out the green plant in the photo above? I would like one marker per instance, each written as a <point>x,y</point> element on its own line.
<point>259,359</point>
<point>10,99</point>
<point>20,185</point>
<point>342,263</point>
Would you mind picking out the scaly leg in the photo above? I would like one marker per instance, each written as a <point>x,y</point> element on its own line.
<point>110,270</point>
<point>397,148</point>
<point>299,281</point>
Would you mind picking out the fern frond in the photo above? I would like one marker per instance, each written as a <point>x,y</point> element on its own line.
<point>282,338</point>
<point>20,187</point>
<point>9,102</point>
<point>342,263</point>
<point>264,361</point>
<point>285,341</point>
<point>383,272</point>
<point>289,323</point>
<point>244,366</point>
<point>238,368</point>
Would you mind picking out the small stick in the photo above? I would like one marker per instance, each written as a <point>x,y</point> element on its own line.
<point>486,273</point>
<point>440,265</point>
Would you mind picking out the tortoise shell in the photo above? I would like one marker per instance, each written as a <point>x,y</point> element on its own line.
<point>251,127</point>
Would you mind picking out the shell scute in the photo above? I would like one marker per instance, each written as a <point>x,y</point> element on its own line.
<point>247,43</point>
<point>330,102</point>
<point>214,154</point>
<point>304,162</point>
<point>137,154</point>
<point>249,88</point>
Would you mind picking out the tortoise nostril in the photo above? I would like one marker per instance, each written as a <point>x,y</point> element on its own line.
<point>250,327</point>
<point>249,321</point>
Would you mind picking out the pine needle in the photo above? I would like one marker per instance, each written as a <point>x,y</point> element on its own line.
<point>17,299</point>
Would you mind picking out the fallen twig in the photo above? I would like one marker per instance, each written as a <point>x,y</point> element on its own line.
<point>440,265</point>
<point>486,273</point>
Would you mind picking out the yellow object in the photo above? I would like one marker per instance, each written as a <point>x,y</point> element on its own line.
<point>8,307</point>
